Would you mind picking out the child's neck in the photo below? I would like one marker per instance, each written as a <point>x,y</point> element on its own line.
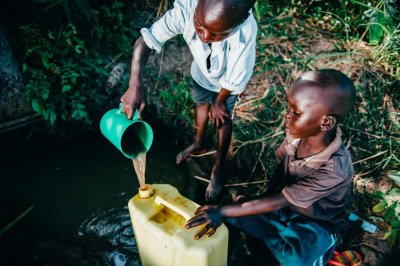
<point>310,146</point>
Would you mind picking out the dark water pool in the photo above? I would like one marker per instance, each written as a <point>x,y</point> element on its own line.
<point>79,189</point>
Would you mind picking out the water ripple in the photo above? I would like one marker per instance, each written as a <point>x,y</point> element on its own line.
<point>114,226</point>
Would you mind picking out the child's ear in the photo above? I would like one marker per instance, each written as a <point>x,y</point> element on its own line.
<point>328,122</point>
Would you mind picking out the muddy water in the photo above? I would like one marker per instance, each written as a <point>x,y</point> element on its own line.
<point>79,189</point>
<point>139,165</point>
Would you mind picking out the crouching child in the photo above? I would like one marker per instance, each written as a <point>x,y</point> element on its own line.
<point>305,206</point>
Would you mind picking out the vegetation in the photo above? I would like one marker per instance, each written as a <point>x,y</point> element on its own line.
<point>325,35</point>
<point>66,61</point>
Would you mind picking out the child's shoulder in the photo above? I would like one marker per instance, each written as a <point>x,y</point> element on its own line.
<point>342,162</point>
<point>249,26</point>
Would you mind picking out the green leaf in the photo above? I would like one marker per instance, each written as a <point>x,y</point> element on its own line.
<point>80,106</point>
<point>397,210</point>
<point>79,48</point>
<point>392,238</point>
<point>375,27</point>
<point>389,213</point>
<point>52,117</point>
<point>37,107</point>
<point>44,93</point>
<point>24,68</point>
<point>45,60</point>
<point>377,195</point>
<point>395,224</point>
<point>395,176</point>
<point>79,114</point>
<point>380,207</point>
<point>65,88</point>
<point>393,192</point>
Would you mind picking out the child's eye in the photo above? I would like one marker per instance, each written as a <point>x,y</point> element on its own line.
<point>295,113</point>
<point>221,35</point>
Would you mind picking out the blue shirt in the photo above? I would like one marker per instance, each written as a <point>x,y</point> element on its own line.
<point>232,59</point>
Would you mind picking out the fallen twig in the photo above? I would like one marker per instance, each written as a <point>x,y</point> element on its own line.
<point>371,157</point>
<point>363,132</point>
<point>233,185</point>
<point>203,154</point>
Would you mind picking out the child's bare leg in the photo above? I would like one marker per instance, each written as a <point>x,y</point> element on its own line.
<point>201,125</point>
<point>214,188</point>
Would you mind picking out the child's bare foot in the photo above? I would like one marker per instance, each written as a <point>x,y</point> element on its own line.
<point>194,149</point>
<point>214,188</point>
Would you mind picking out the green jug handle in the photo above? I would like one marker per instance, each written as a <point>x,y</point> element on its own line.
<point>135,115</point>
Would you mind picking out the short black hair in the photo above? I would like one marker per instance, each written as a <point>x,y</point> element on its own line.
<point>337,85</point>
<point>235,11</point>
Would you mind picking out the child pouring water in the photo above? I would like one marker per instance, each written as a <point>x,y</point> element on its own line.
<point>221,35</point>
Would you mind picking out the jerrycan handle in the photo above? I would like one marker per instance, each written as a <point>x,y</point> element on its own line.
<point>135,115</point>
<point>179,209</point>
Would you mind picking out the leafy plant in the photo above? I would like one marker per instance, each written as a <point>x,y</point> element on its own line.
<point>178,100</point>
<point>382,19</point>
<point>57,68</point>
<point>65,67</point>
<point>389,206</point>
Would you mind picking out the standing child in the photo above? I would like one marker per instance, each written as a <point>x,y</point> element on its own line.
<point>298,221</point>
<point>221,35</point>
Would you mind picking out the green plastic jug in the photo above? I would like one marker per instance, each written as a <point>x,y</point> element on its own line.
<point>131,137</point>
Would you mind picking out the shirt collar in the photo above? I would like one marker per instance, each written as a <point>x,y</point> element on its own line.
<point>236,38</point>
<point>315,161</point>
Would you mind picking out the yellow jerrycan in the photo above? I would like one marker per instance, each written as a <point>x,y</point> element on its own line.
<point>158,215</point>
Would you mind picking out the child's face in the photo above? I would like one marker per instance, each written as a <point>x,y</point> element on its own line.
<point>306,112</point>
<point>211,28</point>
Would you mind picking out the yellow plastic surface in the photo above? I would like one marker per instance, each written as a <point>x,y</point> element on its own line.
<point>158,224</point>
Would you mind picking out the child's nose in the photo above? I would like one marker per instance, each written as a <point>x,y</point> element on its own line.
<point>287,115</point>
<point>207,36</point>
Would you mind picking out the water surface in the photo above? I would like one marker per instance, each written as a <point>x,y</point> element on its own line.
<point>79,189</point>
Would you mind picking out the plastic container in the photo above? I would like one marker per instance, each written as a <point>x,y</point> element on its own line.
<point>131,137</point>
<point>158,223</point>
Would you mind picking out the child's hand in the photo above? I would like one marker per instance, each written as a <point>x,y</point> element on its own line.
<point>133,99</point>
<point>210,216</point>
<point>218,113</point>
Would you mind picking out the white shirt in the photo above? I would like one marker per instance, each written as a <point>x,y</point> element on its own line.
<point>232,59</point>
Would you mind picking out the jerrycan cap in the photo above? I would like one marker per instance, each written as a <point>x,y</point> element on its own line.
<point>146,191</point>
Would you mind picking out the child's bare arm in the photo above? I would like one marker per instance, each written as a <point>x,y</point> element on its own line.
<point>257,206</point>
<point>133,98</point>
<point>213,215</point>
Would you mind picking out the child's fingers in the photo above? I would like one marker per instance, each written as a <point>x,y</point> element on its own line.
<point>222,119</point>
<point>195,221</point>
<point>211,232</point>
<point>128,111</point>
<point>202,232</point>
<point>201,209</point>
<point>217,122</point>
<point>141,108</point>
